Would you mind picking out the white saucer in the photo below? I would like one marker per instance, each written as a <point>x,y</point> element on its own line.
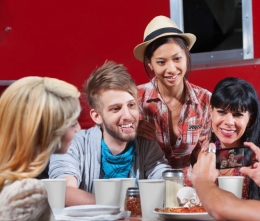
<point>90,210</point>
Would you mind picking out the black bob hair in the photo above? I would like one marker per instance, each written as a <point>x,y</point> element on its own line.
<point>236,94</point>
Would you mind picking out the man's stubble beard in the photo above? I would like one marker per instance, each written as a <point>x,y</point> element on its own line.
<point>117,135</point>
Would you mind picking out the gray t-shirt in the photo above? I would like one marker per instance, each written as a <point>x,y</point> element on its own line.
<point>83,159</point>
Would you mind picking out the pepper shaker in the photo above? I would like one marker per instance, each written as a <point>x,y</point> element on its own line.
<point>132,201</point>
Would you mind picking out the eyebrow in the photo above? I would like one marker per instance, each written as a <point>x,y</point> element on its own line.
<point>119,104</point>
<point>171,55</point>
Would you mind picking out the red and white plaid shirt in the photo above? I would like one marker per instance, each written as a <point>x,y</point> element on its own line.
<point>194,121</point>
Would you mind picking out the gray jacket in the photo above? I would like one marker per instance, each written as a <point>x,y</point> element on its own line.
<point>83,159</point>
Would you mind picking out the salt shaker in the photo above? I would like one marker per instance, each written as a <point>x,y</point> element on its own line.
<point>174,180</point>
<point>132,201</point>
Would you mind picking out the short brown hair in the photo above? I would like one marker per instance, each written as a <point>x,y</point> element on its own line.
<point>110,76</point>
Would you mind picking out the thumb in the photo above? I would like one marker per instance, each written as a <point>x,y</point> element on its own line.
<point>246,171</point>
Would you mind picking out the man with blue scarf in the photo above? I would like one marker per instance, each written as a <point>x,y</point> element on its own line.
<point>111,149</point>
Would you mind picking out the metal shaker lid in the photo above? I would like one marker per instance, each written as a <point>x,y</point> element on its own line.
<point>173,173</point>
<point>132,191</point>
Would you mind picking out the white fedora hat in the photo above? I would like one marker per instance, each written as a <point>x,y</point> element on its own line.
<point>158,27</point>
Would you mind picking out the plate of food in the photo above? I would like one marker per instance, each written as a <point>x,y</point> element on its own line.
<point>90,210</point>
<point>183,213</point>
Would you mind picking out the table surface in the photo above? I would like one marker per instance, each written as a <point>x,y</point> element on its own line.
<point>142,219</point>
<point>131,219</point>
<point>128,219</point>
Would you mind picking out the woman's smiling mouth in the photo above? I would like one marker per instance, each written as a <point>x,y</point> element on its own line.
<point>227,132</point>
<point>172,78</point>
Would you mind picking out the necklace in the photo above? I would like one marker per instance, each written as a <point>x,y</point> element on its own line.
<point>224,173</point>
<point>177,99</point>
<point>174,108</point>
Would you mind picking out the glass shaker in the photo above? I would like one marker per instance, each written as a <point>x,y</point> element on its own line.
<point>174,180</point>
<point>132,201</point>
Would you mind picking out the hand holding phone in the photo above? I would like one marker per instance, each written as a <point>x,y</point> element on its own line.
<point>234,157</point>
<point>254,171</point>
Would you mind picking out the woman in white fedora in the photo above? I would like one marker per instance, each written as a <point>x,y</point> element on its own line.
<point>177,110</point>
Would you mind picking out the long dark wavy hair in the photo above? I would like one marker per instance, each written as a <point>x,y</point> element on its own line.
<point>237,94</point>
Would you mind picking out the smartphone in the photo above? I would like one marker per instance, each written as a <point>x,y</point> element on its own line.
<point>234,157</point>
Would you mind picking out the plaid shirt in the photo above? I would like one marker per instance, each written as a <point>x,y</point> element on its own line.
<point>194,120</point>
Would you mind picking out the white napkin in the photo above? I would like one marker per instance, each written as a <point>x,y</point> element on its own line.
<point>121,215</point>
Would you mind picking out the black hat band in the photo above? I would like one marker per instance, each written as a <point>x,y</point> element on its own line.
<point>160,31</point>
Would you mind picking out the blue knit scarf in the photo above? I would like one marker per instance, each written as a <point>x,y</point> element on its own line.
<point>118,166</point>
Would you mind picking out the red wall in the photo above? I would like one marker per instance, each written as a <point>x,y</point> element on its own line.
<point>209,77</point>
<point>68,39</point>
<point>256,28</point>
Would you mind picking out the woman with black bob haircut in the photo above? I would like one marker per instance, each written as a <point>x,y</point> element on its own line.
<point>235,120</point>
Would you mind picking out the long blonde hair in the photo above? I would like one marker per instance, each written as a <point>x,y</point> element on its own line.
<point>34,114</point>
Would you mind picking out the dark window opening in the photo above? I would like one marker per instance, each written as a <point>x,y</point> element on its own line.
<point>217,24</point>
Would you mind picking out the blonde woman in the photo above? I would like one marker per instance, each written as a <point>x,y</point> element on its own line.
<point>38,117</point>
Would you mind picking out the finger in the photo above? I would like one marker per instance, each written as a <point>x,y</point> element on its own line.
<point>212,148</point>
<point>204,141</point>
<point>202,138</point>
<point>255,165</point>
<point>246,171</point>
<point>204,149</point>
<point>254,148</point>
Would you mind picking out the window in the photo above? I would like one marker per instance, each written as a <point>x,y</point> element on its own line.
<point>223,28</point>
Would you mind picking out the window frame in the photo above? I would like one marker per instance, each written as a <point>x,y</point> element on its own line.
<point>247,52</point>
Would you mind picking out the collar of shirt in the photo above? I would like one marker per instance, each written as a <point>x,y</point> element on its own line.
<point>155,95</point>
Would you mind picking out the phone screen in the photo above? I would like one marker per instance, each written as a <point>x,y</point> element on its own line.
<point>233,157</point>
